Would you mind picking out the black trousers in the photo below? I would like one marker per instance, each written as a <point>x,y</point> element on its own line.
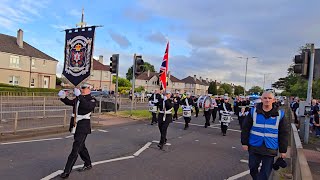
<point>154,118</point>
<point>78,147</point>
<point>187,121</point>
<point>207,115</point>
<point>175,109</point>
<point>223,128</point>
<point>197,111</point>
<point>163,127</point>
<point>214,114</point>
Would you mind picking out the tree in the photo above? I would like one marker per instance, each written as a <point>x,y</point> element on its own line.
<point>256,90</point>
<point>227,88</point>
<point>58,80</point>
<point>147,66</point>
<point>238,90</point>
<point>139,89</point>
<point>220,91</point>
<point>213,88</point>
<point>122,82</point>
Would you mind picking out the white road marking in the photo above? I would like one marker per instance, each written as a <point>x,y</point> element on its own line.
<point>168,144</point>
<point>213,143</point>
<point>53,175</point>
<point>235,130</point>
<point>112,160</point>
<point>57,173</point>
<point>101,130</point>
<point>237,176</point>
<point>18,142</point>
<point>69,136</point>
<point>196,140</point>
<point>244,161</point>
<point>179,137</point>
<point>146,146</point>
<point>233,147</point>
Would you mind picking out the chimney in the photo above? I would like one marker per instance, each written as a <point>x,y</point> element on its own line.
<point>148,73</point>
<point>20,38</point>
<point>210,80</point>
<point>169,74</point>
<point>207,80</point>
<point>195,77</point>
<point>101,59</point>
<point>200,78</point>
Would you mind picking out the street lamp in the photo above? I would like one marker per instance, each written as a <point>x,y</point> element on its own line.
<point>245,77</point>
<point>264,79</point>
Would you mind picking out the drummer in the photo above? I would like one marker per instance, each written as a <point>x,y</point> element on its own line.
<point>225,108</point>
<point>187,104</point>
<point>153,103</point>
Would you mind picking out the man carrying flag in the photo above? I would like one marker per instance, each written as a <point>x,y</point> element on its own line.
<point>164,69</point>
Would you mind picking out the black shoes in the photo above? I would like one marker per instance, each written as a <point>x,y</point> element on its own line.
<point>224,134</point>
<point>205,126</point>
<point>84,168</point>
<point>64,175</point>
<point>160,146</point>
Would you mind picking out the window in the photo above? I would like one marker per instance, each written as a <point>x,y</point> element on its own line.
<point>146,82</point>
<point>14,80</point>
<point>32,82</point>
<point>106,74</point>
<point>91,74</point>
<point>15,61</point>
<point>33,63</point>
<point>44,62</point>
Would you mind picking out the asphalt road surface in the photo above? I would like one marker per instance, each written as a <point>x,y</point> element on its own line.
<point>128,152</point>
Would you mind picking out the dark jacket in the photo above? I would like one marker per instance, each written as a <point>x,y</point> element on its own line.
<point>168,105</point>
<point>283,133</point>
<point>228,107</point>
<point>190,101</point>
<point>86,105</point>
<point>158,97</point>
<point>176,104</point>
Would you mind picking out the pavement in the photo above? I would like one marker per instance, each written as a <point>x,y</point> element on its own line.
<point>127,150</point>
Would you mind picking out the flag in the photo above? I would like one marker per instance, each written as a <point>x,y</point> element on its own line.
<point>78,54</point>
<point>164,69</point>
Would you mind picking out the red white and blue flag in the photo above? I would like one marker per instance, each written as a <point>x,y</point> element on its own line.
<point>164,69</point>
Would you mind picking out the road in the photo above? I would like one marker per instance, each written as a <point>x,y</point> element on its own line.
<point>196,153</point>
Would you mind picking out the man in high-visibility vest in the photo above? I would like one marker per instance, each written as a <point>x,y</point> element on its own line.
<point>265,131</point>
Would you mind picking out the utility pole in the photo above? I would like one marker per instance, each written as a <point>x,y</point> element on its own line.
<point>116,93</point>
<point>245,76</point>
<point>309,93</point>
<point>133,82</point>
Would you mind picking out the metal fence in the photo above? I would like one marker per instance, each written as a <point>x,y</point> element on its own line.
<point>300,167</point>
<point>13,93</point>
<point>23,113</point>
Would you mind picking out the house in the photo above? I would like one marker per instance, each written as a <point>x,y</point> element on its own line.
<point>148,80</point>
<point>101,77</point>
<point>175,84</point>
<point>24,65</point>
<point>194,85</point>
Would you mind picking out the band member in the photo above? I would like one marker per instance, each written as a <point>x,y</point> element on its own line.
<point>226,110</point>
<point>242,114</point>
<point>207,109</point>
<point>83,105</point>
<point>153,101</point>
<point>165,117</point>
<point>187,104</point>
<point>219,102</point>
<point>195,99</point>
<point>213,109</point>
<point>176,101</point>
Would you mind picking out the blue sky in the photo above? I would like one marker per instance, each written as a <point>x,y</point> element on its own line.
<point>206,36</point>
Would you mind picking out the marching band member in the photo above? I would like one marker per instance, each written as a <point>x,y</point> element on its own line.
<point>187,104</point>
<point>153,102</point>
<point>226,112</point>
<point>176,101</point>
<point>165,117</point>
<point>214,108</point>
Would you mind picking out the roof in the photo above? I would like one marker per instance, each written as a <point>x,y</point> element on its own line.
<point>204,82</point>
<point>9,44</point>
<point>174,79</point>
<point>144,75</point>
<point>99,66</point>
<point>190,80</point>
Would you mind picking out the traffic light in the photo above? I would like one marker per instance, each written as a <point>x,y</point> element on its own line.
<point>114,61</point>
<point>302,63</point>
<point>139,65</point>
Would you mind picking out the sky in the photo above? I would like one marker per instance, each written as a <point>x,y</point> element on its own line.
<point>206,37</point>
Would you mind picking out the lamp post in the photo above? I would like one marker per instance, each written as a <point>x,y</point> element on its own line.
<point>245,77</point>
<point>264,79</point>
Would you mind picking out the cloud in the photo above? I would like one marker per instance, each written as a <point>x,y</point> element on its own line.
<point>199,40</point>
<point>121,40</point>
<point>75,13</point>
<point>60,27</point>
<point>135,15</point>
<point>157,37</point>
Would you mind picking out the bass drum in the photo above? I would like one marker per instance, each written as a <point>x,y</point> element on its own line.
<point>204,102</point>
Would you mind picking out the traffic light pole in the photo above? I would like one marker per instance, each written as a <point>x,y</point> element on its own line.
<point>116,93</point>
<point>309,94</point>
<point>133,83</point>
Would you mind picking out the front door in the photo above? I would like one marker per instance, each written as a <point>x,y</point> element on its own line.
<point>46,82</point>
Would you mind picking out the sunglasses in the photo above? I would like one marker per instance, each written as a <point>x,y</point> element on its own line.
<point>84,87</point>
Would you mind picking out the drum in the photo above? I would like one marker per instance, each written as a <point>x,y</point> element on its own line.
<point>152,108</point>
<point>186,111</point>
<point>204,102</point>
<point>225,118</point>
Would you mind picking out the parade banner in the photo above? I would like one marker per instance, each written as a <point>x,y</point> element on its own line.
<point>164,69</point>
<point>78,54</point>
